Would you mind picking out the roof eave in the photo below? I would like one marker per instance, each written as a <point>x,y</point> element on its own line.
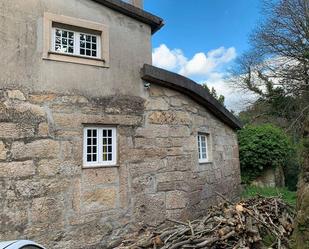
<point>130,10</point>
<point>188,87</point>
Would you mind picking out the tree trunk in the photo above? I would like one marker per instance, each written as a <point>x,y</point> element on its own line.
<point>301,232</point>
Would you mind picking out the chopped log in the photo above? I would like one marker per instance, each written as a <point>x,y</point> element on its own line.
<point>227,226</point>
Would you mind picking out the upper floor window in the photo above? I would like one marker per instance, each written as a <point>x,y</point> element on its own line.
<point>203,150</point>
<point>74,40</point>
<point>76,43</point>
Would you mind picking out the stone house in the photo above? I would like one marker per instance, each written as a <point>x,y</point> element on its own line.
<point>94,141</point>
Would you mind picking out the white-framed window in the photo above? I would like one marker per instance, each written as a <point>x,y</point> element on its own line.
<point>100,146</point>
<point>203,155</point>
<point>74,40</point>
<point>76,43</point>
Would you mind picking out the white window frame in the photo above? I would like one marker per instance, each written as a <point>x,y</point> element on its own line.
<point>51,21</point>
<point>200,152</point>
<point>76,47</point>
<point>100,162</point>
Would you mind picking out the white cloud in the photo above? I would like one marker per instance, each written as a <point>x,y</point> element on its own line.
<point>168,59</point>
<point>203,68</point>
<point>235,99</point>
<point>200,64</point>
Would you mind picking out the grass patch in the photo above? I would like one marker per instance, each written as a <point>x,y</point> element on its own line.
<point>288,196</point>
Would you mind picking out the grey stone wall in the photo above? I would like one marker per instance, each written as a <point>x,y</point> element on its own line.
<point>47,196</point>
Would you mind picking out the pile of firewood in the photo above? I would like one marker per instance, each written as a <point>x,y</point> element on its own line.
<point>251,223</point>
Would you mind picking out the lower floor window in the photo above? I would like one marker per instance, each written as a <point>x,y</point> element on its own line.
<point>99,146</point>
<point>202,147</point>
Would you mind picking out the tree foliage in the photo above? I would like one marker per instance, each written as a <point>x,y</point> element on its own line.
<point>262,147</point>
<point>276,68</point>
<point>213,92</point>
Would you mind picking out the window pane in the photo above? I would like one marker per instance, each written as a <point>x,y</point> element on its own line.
<point>88,45</point>
<point>202,146</point>
<point>89,141</point>
<point>58,32</point>
<point>62,43</point>
<point>92,145</point>
<point>89,133</point>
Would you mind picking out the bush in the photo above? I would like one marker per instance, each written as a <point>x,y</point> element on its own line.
<point>262,147</point>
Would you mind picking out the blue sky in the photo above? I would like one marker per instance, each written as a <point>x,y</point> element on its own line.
<point>202,38</point>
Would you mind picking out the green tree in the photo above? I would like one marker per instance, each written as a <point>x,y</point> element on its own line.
<point>276,69</point>
<point>262,147</point>
<point>213,92</point>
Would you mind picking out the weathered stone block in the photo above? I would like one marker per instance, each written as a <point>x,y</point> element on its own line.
<point>169,117</point>
<point>43,130</point>
<point>178,101</point>
<point>177,214</point>
<point>33,188</point>
<point>155,91</point>
<point>45,148</point>
<point>75,99</point>
<point>22,107</point>
<point>13,131</point>
<point>3,151</point>
<point>76,120</point>
<point>99,199</point>
<point>47,210</point>
<point>14,218</point>
<point>159,131</point>
<point>16,94</point>
<point>49,167</point>
<point>17,169</point>
<point>179,163</point>
<point>157,104</point>
<point>176,200</point>
<point>92,178</point>
<point>144,184</point>
<point>174,185</point>
<point>145,167</point>
<point>150,209</point>
<point>172,176</point>
<point>42,98</point>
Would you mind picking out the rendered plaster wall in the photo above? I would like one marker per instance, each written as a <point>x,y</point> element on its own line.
<point>21,63</point>
<point>46,194</point>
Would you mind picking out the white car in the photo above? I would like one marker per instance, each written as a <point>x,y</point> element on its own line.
<point>20,244</point>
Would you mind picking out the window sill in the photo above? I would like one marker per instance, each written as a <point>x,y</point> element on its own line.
<point>205,162</point>
<point>100,166</point>
<point>77,59</point>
